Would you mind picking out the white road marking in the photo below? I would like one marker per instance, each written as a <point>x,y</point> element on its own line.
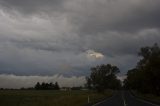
<point>104,100</point>
<point>98,103</point>
<point>124,101</point>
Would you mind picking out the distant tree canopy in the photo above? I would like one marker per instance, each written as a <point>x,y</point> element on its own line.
<point>47,86</point>
<point>146,76</point>
<point>103,77</point>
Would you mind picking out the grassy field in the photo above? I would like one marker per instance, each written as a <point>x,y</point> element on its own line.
<point>48,98</point>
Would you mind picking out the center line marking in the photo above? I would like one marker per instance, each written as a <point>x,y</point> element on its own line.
<point>124,99</point>
<point>125,103</point>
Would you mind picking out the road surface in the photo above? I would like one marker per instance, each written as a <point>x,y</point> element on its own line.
<point>124,98</point>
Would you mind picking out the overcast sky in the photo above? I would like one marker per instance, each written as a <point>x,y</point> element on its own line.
<point>64,38</point>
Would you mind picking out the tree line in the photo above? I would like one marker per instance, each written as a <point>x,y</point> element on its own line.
<point>103,77</point>
<point>47,86</point>
<point>145,77</point>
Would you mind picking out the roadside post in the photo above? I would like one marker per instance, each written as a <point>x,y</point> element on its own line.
<point>88,99</point>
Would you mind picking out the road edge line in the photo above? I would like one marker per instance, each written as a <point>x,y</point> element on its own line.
<point>104,100</point>
<point>142,100</point>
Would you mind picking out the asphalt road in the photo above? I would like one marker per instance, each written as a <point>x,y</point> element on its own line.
<point>124,98</point>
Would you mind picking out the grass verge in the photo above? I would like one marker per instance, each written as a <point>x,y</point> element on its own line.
<point>148,97</point>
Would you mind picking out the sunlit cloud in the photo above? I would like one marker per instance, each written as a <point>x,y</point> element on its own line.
<point>93,54</point>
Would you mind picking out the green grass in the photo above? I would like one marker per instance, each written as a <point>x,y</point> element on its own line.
<point>149,97</point>
<point>48,98</point>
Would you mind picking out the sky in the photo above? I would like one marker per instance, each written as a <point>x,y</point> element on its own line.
<point>60,40</point>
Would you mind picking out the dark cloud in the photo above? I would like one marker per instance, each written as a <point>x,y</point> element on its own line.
<point>32,7</point>
<point>94,16</point>
<point>46,37</point>
<point>117,15</point>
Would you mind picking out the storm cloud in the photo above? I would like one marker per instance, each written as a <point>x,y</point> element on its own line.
<point>67,37</point>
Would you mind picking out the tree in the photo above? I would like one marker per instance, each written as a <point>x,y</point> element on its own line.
<point>89,83</point>
<point>51,86</point>
<point>146,76</point>
<point>135,80</point>
<point>56,86</point>
<point>103,77</point>
<point>37,86</point>
<point>47,86</point>
<point>150,65</point>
